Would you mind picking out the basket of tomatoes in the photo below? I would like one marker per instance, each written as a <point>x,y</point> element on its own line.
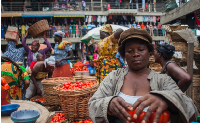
<point>74,98</point>
<point>38,99</point>
<point>49,93</point>
<point>84,121</point>
<point>58,117</point>
<point>5,92</point>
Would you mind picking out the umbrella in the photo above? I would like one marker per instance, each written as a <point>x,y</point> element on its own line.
<point>43,46</point>
<point>95,33</point>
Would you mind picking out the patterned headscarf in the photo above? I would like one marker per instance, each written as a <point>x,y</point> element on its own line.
<point>59,33</point>
<point>107,28</point>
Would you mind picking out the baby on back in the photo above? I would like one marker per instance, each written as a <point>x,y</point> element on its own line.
<point>39,58</point>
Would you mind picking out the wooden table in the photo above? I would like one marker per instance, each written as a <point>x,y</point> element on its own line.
<point>44,113</point>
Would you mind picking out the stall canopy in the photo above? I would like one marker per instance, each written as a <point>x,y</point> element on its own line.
<point>11,15</point>
<point>69,15</point>
<point>37,15</point>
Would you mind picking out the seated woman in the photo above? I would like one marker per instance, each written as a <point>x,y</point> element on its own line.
<point>137,86</point>
<point>163,54</point>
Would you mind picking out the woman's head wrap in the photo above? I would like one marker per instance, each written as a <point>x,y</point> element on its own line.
<point>50,61</point>
<point>60,34</point>
<point>36,42</point>
<point>107,28</point>
<point>166,50</point>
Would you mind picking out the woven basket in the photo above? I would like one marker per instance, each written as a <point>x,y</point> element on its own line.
<point>49,93</point>
<point>75,103</point>
<point>78,78</point>
<point>38,29</point>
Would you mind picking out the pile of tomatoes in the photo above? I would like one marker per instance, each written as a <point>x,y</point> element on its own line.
<point>164,118</point>
<point>68,86</point>
<point>40,100</point>
<point>84,121</point>
<point>4,84</point>
<point>59,117</point>
<point>72,70</point>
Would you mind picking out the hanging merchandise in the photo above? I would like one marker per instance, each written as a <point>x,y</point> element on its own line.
<point>110,17</point>
<point>197,17</point>
<point>108,6</point>
<point>154,19</point>
<point>72,20</point>
<point>65,20</point>
<point>125,17</point>
<point>99,19</point>
<point>143,4</point>
<point>94,18</point>
<point>90,19</point>
<point>145,18</point>
<point>158,18</point>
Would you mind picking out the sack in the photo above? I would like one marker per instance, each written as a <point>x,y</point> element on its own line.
<point>12,34</point>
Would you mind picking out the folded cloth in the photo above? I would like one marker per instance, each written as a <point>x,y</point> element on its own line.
<point>50,61</point>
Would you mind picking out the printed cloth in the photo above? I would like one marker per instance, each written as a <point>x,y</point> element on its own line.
<point>107,28</point>
<point>105,66</point>
<point>14,53</point>
<point>63,44</point>
<point>13,76</point>
<point>59,54</point>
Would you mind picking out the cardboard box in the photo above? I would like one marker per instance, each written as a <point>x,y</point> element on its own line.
<point>12,34</point>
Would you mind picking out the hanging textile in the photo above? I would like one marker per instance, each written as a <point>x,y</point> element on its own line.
<point>154,19</point>
<point>143,4</point>
<point>110,17</point>
<point>197,17</point>
<point>108,6</point>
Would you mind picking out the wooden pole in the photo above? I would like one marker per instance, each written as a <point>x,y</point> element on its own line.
<point>101,6</point>
<point>190,55</point>
<point>91,5</point>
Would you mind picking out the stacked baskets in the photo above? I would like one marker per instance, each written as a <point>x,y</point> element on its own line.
<point>38,29</point>
<point>75,103</point>
<point>49,93</point>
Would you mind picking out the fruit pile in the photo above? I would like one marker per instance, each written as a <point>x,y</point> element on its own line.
<point>164,118</point>
<point>4,84</point>
<point>40,100</point>
<point>84,121</point>
<point>72,70</point>
<point>68,86</point>
<point>59,117</point>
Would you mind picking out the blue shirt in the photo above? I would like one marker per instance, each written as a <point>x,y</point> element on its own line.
<point>134,25</point>
<point>16,54</point>
<point>59,54</point>
<point>91,70</point>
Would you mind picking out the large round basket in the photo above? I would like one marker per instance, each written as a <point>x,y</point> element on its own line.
<point>50,95</point>
<point>38,29</point>
<point>78,78</point>
<point>75,103</point>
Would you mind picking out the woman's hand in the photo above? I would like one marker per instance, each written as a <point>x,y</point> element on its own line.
<point>118,107</point>
<point>155,102</point>
<point>58,61</point>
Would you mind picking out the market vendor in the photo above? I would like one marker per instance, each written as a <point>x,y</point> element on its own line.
<point>137,86</point>
<point>39,72</point>
<point>35,45</point>
<point>107,49</point>
<point>14,73</point>
<point>63,53</point>
<point>163,54</point>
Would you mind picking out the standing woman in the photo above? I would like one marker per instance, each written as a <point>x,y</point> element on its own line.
<point>35,45</point>
<point>108,47</point>
<point>163,54</point>
<point>63,53</point>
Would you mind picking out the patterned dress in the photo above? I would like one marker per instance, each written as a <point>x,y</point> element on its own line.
<point>107,60</point>
<point>13,76</point>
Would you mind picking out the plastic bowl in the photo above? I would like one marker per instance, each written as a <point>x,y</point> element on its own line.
<point>6,110</point>
<point>25,116</point>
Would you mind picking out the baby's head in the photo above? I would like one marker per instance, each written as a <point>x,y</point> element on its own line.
<point>39,57</point>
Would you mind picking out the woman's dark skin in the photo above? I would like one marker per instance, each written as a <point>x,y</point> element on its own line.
<point>106,34</point>
<point>184,79</point>
<point>136,84</point>
<point>58,40</point>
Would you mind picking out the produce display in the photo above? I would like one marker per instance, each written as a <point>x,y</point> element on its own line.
<point>84,121</point>
<point>4,84</point>
<point>72,70</point>
<point>164,118</point>
<point>59,117</point>
<point>40,100</point>
<point>68,86</point>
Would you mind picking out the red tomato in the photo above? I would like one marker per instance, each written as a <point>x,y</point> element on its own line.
<point>6,86</point>
<point>140,118</point>
<point>3,81</point>
<point>166,116</point>
<point>132,113</point>
<point>2,88</point>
